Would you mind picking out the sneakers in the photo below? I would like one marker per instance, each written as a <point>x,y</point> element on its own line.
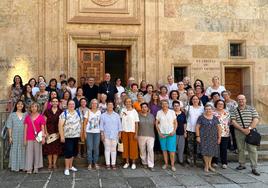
<point>224,166</point>
<point>173,168</point>
<point>73,169</point>
<point>126,165</point>
<point>66,172</point>
<point>89,167</point>
<point>133,166</point>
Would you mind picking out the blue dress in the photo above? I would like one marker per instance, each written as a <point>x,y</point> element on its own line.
<point>208,136</point>
<point>17,150</point>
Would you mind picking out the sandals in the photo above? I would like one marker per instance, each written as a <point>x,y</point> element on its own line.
<point>97,166</point>
<point>114,167</point>
<point>49,167</point>
<point>108,167</point>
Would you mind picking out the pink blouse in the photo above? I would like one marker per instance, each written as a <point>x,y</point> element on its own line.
<point>37,123</point>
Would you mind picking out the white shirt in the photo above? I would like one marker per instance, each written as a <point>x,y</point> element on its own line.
<point>147,97</point>
<point>129,118</point>
<point>72,124</point>
<point>93,124</point>
<point>193,115</point>
<point>73,91</point>
<point>211,90</point>
<point>166,121</point>
<point>172,87</point>
<point>120,90</point>
<point>35,90</point>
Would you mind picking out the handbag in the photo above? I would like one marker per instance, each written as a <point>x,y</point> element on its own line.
<point>120,147</point>
<point>4,131</point>
<point>52,138</point>
<point>38,136</point>
<point>253,138</point>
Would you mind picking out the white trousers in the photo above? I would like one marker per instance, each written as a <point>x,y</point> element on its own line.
<point>110,151</point>
<point>146,145</point>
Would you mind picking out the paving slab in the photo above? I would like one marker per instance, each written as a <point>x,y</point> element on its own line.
<point>254,185</point>
<point>263,177</point>
<point>191,180</point>
<point>215,179</point>
<point>32,184</point>
<point>110,173</point>
<point>60,184</point>
<point>166,181</point>
<point>240,178</point>
<point>85,174</point>
<point>226,186</point>
<point>136,182</point>
<point>90,183</point>
<point>133,173</point>
<point>114,182</point>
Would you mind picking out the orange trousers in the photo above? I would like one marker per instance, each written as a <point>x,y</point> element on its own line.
<point>130,145</point>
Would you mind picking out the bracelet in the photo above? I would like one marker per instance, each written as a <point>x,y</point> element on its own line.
<point>197,136</point>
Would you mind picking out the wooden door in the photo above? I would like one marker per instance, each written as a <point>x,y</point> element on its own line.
<point>234,81</point>
<point>91,63</point>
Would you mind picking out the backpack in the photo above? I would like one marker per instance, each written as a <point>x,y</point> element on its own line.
<point>77,111</point>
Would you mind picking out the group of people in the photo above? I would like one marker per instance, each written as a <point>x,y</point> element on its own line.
<point>56,119</point>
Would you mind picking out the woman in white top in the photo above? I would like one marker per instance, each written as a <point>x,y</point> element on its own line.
<point>166,125</point>
<point>92,135</point>
<point>216,87</point>
<point>119,87</point>
<point>193,111</point>
<point>71,86</point>
<point>130,119</point>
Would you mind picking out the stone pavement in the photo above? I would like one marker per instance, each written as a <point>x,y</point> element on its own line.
<point>183,177</point>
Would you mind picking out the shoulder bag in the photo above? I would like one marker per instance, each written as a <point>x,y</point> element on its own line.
<point>38,136</point>
<point>253,138</point>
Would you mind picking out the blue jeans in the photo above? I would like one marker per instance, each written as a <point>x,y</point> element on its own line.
<point>93,144</point>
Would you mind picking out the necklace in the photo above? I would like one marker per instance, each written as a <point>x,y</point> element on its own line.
<point>107,87</point>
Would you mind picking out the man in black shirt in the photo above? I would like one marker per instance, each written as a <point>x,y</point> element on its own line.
<point>90,89</point>
<point>108,88</point>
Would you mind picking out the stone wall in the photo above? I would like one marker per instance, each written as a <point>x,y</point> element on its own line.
<point>41,37</point>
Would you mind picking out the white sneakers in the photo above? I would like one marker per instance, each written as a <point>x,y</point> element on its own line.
<point>126,165</point>
<point>73,169</point>
<point>133,166</point>
<point>67,171</point>
<point>224,166</point>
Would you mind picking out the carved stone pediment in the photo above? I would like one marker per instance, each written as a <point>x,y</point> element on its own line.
<point>104,11</point>
<point>104,2</point>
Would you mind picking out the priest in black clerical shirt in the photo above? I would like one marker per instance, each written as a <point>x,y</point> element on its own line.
<point>90,89</point>
<point>108,88</point>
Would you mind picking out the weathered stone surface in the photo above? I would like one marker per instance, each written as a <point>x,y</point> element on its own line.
<point>205,51</point>
<point>140,182</point>
<point>263,52</point>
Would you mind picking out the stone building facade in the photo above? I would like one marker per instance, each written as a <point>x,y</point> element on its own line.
<point>157,38</point>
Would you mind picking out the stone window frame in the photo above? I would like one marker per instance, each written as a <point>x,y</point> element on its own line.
<point>243,50</point>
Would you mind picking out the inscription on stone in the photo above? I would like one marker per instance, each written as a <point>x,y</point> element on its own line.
<point>5,65</point>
